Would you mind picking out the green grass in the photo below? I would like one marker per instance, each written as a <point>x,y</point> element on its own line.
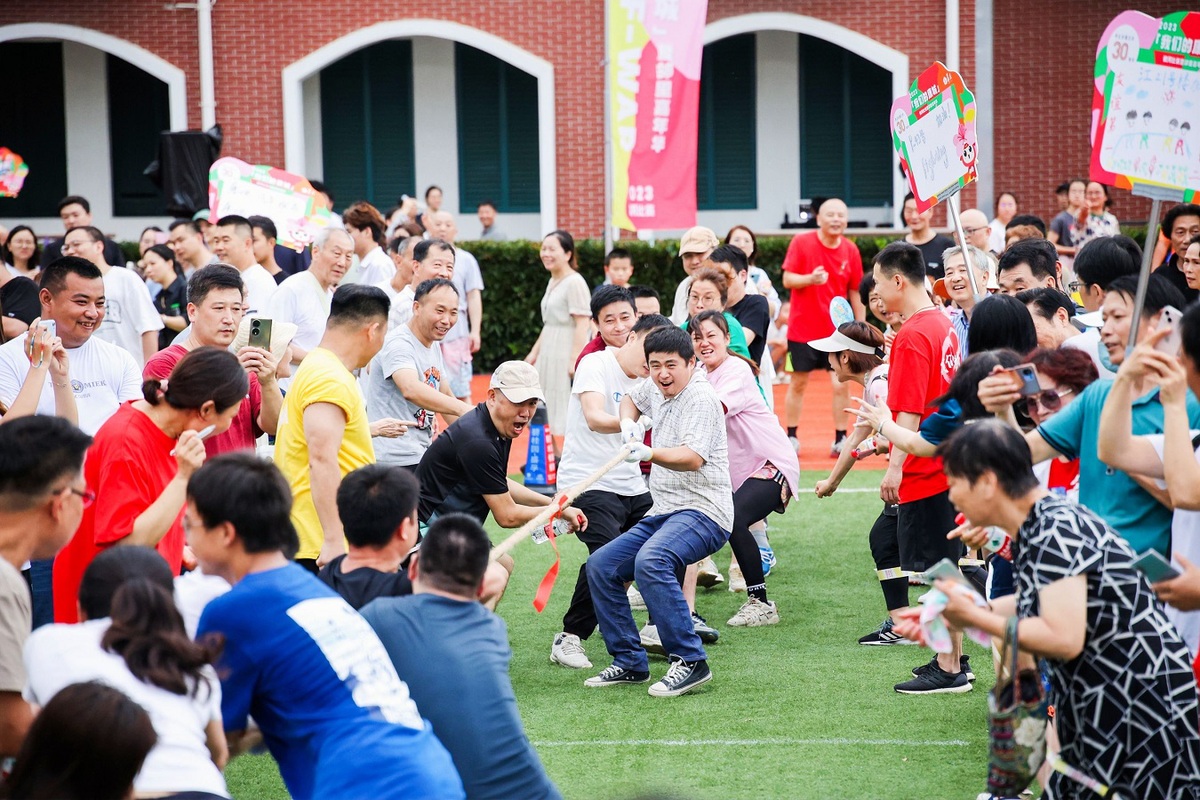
<point>824,704</point>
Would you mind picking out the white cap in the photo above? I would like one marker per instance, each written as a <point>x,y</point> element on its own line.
<point>518,381</point>
<point>837,342</point>
<point>1092,319</point>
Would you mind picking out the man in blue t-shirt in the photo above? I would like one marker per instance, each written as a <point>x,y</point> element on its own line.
<point>296,658</point>
<point>1126,502</point>
<point>453,654</point>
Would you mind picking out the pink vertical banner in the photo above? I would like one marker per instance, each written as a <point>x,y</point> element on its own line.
<point>655,51</point>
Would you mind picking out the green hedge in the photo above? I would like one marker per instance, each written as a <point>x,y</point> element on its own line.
<point>516,279</point>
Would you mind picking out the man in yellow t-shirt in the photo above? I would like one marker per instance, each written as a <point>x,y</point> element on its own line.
<point>324,433</point>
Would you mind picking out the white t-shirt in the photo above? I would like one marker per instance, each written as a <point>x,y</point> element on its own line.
<point>194,590</point>
<point>260,288</point>
<point>1185,539</point>
<point>467,278</point>
<point>402,309</point>
<point>996,236</point>
<point>301,301</point>
<point>679,305</point>
<point>376,266</point>
<point>128,312</point>
<point>584,450</point>
<point>103,376</point>
<point>57,656</point>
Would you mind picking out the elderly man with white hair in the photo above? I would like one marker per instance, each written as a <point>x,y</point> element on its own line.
<point>304,298</point>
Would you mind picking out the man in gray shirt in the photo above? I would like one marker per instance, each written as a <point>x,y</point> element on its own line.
<point>408,378</point>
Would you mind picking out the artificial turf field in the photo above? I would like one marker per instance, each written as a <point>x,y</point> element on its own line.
<point>797,710</point>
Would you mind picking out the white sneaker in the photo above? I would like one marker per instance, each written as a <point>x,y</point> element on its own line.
<point>636,601</point>
<point>650,641</point>
<point>707,574</point>
<point>737,582</point>
<point>569,652</point>
<point>754,614</point>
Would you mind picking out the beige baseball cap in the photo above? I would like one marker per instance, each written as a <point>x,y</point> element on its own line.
<point>698,240</point>
<point>281,334</point>
<point>518,381</point>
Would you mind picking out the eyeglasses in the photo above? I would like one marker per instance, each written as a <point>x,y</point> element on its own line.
<point>973,231</point>
<point>87,496</point>
<point>1050,399</point>
<point>1075,286</point>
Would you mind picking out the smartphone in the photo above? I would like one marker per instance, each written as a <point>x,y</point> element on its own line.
<point>1155,567</point>
<point>1025,379</point>
<point>1173,341</point>
<point>260,333</point>
<point>49,326</point>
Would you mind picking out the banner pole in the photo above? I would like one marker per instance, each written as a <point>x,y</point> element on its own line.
<point>1144,275</point>
<point>608,165</point>
<point>952,203</point>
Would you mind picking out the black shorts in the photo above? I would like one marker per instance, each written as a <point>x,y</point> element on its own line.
<point>921,529</point>
<point>806,359</point>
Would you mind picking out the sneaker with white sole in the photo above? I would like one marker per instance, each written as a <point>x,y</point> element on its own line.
<point>755,613</point>
<point>707,633</point>
<point>935,680</point>
<point>964,663</point>
<point>884,635</point>
<point>612,675</point>
<point>767,554</point>
<point>737,581</point>
<point>795,443</point>
<point>707,574</point>
<point>681,678</point>
<point>650,641</point>
<point>636,601</point>
<point>568,651</point>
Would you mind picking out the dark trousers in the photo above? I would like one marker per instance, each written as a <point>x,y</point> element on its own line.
<point>753,501</point>
<point>609,515</point>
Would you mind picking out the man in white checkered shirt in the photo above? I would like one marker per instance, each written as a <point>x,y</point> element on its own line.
<point>690,519</point>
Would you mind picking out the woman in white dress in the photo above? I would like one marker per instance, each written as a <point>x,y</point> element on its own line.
<point>566,315</point>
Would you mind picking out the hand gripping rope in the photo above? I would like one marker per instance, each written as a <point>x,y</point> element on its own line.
<point>548,516</point>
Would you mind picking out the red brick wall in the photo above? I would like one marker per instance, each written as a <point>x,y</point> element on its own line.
<point>1043,67</point>
<point>1045,54</point>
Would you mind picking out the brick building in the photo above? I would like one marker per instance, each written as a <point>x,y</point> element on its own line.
<point>504,99</point>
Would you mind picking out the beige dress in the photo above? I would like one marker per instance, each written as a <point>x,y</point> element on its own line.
<point>562,302</point>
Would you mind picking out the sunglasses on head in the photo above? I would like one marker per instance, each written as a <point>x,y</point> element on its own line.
<point>1049,399</point>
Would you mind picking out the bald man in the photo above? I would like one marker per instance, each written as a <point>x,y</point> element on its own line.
<point>975,228</point>
<point>819,267</point>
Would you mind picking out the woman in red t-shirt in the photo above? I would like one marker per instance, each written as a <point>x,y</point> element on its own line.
<point>139,464</point>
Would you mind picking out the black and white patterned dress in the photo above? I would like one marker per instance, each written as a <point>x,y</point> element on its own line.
<point>1126,707</point>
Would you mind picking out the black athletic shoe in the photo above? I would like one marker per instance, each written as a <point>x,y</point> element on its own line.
<point>934,680</point>
<point>884,635</point>
<point>707,633</point>
<point>612,675</point>
<point>681,678</point>
<point>964,663</point>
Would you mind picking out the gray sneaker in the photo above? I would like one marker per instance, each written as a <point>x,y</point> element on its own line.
<point>755,613</point>
<point>568,651</point>
<point>650,641</point>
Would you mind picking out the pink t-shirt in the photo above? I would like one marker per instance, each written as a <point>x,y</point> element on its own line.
<point>752,429</point>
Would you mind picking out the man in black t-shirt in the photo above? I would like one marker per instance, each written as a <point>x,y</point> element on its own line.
<point>929,242</point>
<point>752,311</point>
<point>378,508</point>
<point>19,303</point>
<point>465,470</point>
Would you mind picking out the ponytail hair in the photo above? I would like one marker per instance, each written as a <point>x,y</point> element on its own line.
<point>206,373</point>
<point>718,318</point>
<point>148,632</point>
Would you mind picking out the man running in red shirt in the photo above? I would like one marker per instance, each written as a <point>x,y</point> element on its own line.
<point>819,266</point>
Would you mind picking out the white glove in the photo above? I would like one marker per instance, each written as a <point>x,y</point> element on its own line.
<point>638,452</point>
<point>631,431</point>
<point>646,424</point>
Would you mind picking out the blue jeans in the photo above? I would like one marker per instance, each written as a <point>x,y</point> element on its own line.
<point>41,584</point>
<point>651,553</point>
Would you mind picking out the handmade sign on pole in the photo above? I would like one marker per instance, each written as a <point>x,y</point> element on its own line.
<point>297,209</point>
<point>1146,105</point>
<point>13,170</point>
<point>654,57</point>
<point>933,132</point>
<point>1145,109</point>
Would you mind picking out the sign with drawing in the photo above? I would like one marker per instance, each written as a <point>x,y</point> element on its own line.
<point>297,209</point>
<point>933,132</point>
<point>1146,104</point>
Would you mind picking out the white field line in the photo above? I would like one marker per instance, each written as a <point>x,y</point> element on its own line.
<point>838,742</point>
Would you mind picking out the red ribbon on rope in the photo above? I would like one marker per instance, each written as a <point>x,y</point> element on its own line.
<point>547,585</point>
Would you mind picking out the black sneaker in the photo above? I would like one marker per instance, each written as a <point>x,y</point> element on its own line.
<point>934,680</point>
<point>707,633</point>
<point>964,663</point>
<point>681,678</point>
<point>612,675</point>
<point>884,635</point>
